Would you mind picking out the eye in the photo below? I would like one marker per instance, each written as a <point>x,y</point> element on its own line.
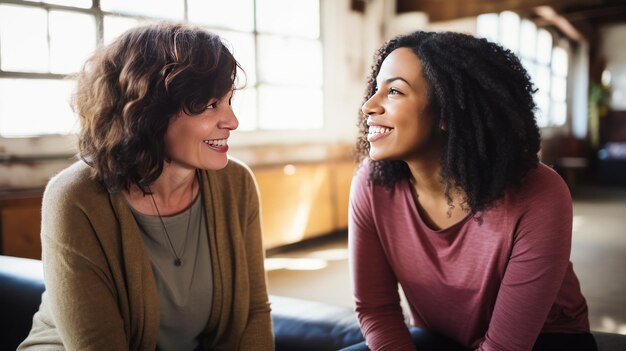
<point>393,91</point>
<point>211,106</point>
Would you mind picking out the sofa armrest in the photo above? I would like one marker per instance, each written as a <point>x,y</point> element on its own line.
<point>21,286</point>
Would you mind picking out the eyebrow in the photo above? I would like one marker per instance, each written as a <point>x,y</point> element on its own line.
<point>392,79</point>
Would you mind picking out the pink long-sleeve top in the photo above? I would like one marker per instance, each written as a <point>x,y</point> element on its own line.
<point>493,284</point>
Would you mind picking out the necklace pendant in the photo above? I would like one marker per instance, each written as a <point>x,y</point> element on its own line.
<point>178,262</point>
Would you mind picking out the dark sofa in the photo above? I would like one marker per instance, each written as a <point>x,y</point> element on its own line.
<point>299,325</point>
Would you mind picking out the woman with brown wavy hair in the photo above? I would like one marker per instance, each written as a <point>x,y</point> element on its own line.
<point>153,240</point>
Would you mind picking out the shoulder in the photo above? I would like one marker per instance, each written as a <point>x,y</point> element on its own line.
<point>237,169</point>
<point>235,178</point>
<point>73,185</point>
<point>362,175</point>
<point>542,188</point>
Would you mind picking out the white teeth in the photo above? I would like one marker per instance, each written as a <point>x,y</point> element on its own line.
<point>216,142</point>
<point>378,130</point>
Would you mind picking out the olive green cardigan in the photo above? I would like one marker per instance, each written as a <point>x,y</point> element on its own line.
<point>100,290</point>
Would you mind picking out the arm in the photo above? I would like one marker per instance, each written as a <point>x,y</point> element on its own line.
<point>535,271</point>
<point>258,334</point>
<point>81,297</point>
<point>375,285</point>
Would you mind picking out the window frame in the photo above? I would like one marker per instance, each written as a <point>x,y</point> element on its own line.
<point>556,42</point>
<point>57,146</point>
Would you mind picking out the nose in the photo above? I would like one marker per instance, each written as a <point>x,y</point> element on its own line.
<point>372,106</point>
<point>229,120</point>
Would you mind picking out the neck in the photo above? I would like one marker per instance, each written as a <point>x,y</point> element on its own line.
<point>173,192</point>
<point>426,175</point>
<point>429,192</point>
<point>173,184</point>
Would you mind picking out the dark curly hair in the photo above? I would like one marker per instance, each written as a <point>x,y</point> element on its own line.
<point>484,97</point>
<point>128,91</point>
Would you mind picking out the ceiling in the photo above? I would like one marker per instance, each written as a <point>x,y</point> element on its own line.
<point>583,15</point>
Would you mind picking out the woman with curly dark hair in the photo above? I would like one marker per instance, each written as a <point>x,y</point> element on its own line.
<point>452,203</point>
<point>153,241</point>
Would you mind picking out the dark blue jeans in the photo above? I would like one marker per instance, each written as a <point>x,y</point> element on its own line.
<point>429,341</point>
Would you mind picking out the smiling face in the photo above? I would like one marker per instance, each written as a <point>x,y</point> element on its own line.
<point>400,125</point>
<point>201,141</point>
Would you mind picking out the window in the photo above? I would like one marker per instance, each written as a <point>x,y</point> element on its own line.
<point>277,43</point>
<point>545,61</point>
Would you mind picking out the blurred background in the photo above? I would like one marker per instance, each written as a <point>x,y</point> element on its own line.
<point>306,63</point>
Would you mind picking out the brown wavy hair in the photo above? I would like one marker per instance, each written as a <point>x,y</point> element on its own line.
<point>128,91</point>
<point>483,95</point>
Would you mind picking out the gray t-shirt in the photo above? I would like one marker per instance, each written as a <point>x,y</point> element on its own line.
<point>186,291</point>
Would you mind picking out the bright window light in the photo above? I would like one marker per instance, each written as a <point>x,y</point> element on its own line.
<point>487,26</point>
<point>544,47</point>
<point>114,26</point>
<point>290,108</point>
<point>242,47</point>
<point>171,9</point>
<point>543,109</point>
<point>244,105</point>
<point>509,36</point>
<point>559,61</point>
<point>232,14</point>
<point>23,39</point>
<point>528,39</point>
<point>558,113</point>
<point>559,88</point>
<point>289,61</point>
<point>72,40</point>
<point>36,107</point>
<point>289,17</point>
<point>84,4</point>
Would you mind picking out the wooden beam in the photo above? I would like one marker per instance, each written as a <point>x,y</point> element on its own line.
<point>444,10</point>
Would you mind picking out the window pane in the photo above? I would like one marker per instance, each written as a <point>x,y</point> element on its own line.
<point>114,26</point>
<point>72,40</point>
<point>242,47</point>
<point>171,9</point>
<point>289,17</point>
<point>510,30</point>
<point>232,14</point>
<point>559,61</point>
<point>35,106</point>
<point>531,69</point>
<point>544,46</point>
<point>23,39</point>
<point>559,88</point>
<point>285,108</point>
<point>487,26</point>
<point>543,109</point>
<point>287,61</point>
<point>528,39</point>
<point>543,80</point>
<point>244,106</point>
<point>84,4</point>
<point>558,113</point>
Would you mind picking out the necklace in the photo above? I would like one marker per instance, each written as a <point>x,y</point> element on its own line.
<point>178,260</point>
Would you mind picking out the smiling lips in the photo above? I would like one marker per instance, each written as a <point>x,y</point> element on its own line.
<point>377,132</point>
<point>219,145</point>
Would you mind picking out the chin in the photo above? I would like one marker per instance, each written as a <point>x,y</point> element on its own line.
<point>376,156</point>
<point>215,165</point>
